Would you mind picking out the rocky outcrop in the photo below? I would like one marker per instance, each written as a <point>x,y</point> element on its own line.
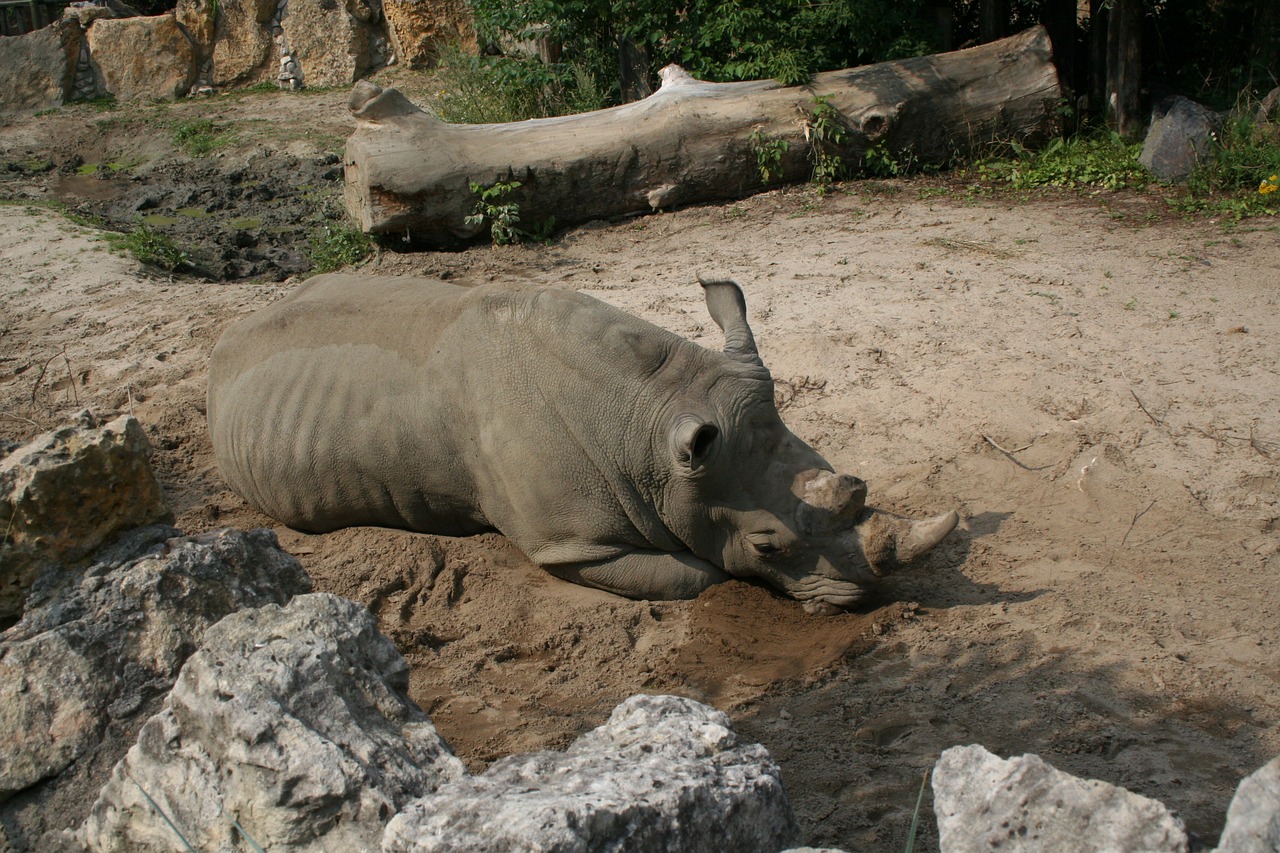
<point>64,494</point>
<point>37,70</point>
<point>335,43</point>
<point>1253,820</point>
<point>983,802</point>
<point>1182,134</point>
<point>143,58</point>
<point>234,36</point>
<point>420,28</point>
<point>664,773</point>
<point>89,662</point>
<point>291,721</point>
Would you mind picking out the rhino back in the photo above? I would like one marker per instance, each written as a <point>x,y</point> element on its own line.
<point>318,401</point>
<point>407,403</point>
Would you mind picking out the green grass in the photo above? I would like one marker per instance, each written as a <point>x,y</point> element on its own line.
<point>1100,160</point>
<point>200,136</point>
<point>1233,181</point>
<point>151,247</point>
<point>1240,177</point>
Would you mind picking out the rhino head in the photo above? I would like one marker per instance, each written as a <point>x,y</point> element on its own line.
<point>765,504</point>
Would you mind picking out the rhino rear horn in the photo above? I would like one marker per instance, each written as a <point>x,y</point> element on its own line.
<point>728,307</point>
<point>833,501</point>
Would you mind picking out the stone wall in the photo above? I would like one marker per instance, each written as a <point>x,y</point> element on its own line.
<point>205,45</point>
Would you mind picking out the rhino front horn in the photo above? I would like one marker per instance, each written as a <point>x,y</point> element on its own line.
<point>889,542</point>
<point>922,536</point>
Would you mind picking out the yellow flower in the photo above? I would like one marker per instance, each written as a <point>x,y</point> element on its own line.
<point>1270,185</point>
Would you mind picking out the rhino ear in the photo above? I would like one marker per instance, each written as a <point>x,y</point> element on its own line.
<point>692,440</point>
<point>728,308</point>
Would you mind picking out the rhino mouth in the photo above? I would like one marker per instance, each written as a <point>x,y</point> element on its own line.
<point>828,595</point>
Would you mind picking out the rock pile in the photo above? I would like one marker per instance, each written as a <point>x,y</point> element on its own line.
<point>64,494</point>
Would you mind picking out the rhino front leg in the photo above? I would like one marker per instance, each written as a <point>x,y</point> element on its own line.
<point>652,575</point>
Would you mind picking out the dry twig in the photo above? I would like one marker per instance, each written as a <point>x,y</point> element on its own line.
<point>1144,408</point>
<point>1009,453</point>
<point>1134,522</point>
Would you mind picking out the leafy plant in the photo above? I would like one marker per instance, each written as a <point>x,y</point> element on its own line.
<point>827,134</point>
<point>502,217</point>
<point>199,137</point>
<point>102,103</point>
<point>337,246</point>
<point>768,154</point>
<point>880,162</point>
<point>540,232</point>
<point>151,247</point>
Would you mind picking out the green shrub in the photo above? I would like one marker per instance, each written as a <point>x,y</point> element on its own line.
<point>827,135</point>
<point>491,89</point>
<point>787,40</point>
<point>768,153</point>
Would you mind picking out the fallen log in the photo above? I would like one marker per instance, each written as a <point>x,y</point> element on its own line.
<point>410,175</point>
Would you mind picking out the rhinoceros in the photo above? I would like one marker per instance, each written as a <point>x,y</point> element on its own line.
<point>614,453</point>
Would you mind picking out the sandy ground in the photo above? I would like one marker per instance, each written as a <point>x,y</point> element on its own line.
<point>1091,384</point>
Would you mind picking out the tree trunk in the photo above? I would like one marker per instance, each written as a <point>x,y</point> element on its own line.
<point>1099,17</point>
<point>993,19</point>
<point>1124,68</point>
<point>1059,18</point>
<point>409,175</point>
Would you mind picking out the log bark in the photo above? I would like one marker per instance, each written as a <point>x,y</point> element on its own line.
<point>409,175</point>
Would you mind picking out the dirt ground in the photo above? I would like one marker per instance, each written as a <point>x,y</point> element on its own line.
<point>1091,383</point>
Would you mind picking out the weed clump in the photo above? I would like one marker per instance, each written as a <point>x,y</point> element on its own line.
<point>337,246</point>
<point>151,247</point>
<point>200,136</point>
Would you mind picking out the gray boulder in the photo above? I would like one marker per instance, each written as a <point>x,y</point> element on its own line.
<point>36,69</point>
<point>335,43</point>
<point>146,58</point>
<point>1023,804</point>
<point>664,773</point>
<point>1253,820</point>
<point>293,722</point>
<point>89,662</point>
<point>1182,134</point>
<point>65,493</point>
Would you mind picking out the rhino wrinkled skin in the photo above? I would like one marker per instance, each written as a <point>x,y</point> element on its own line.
<point>612,452</point>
